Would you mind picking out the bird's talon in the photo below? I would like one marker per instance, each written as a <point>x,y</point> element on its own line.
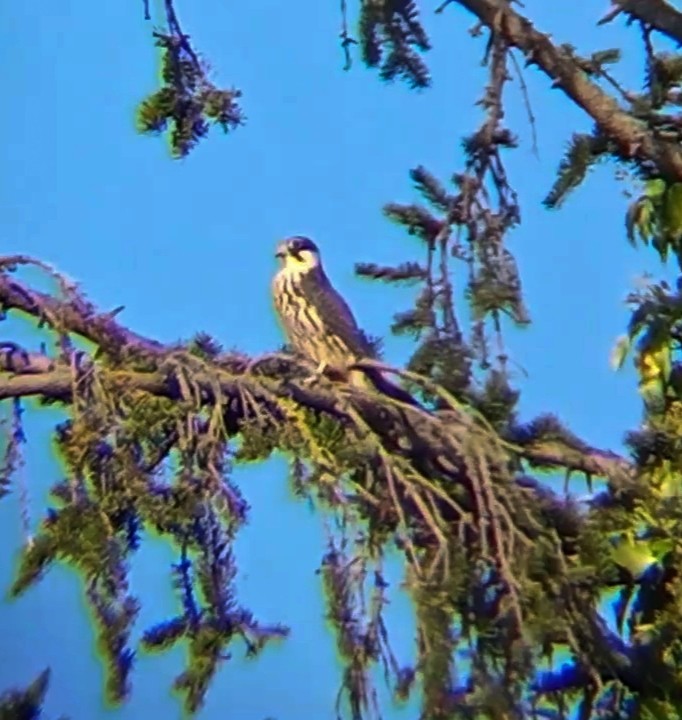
<point>317,375</point>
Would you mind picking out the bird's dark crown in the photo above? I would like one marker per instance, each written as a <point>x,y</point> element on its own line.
<point>298,243</point>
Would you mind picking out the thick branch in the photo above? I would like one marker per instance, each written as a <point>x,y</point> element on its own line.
<point>72,314</point>
<point>423,439</point>
<point>443,470</point>
<point>656,13</point>
<point>590,461</point>
<point>631,136</point>
<point>58,385</point>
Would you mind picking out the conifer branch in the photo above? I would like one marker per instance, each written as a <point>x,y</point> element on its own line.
<point>56,385</point>
<point>631,136</point>
<point>72,314</point>
<point>33,374</point>
<point>658,14</point>
<point>444,486</point>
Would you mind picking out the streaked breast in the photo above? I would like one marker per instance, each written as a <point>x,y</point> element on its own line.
<point>305,328</point>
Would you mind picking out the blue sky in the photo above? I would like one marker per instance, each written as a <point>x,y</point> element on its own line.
<point>187,246</point>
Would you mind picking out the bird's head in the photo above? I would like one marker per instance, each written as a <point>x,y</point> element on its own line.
<point>298,253</point>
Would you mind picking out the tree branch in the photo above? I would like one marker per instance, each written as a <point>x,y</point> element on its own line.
<point>631,136</point>
<point>589,460</point>
<point>264,389</point>
<point>73,314</point>
<point>448,471</point>
<point>59,383</point>
<point>658,14</point>
<point>33,374</point>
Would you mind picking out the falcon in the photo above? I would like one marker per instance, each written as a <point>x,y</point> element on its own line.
<point>318,323</point>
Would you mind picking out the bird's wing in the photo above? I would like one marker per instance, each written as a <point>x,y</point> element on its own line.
<point>383,385</point>
<point>334,312</point>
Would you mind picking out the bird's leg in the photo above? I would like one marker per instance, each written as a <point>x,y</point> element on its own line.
<point>317,374</point>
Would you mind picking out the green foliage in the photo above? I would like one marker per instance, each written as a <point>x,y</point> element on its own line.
<point>26,704</point>
<point>391,38</point>
<point>445,363</point>
<point>493,286</point>
<point>137,464</point>
<point>644,535</point>
<point>431,189</point>
<point>656,218</point>
<point>662,81</point>
<point>211,620</point>
<point>655,335</point>
<point>663,73</point>
<point>496,400</point>
<point>416,219</point>
<point>407,273</point>
<point>600,58</point>
<point>12,438</point>
<point>496,286</point>
<point>435,608</point>
<point>205,347</point>
<point>187,103</point>
<point>583,152</point>
<point>360,644</point>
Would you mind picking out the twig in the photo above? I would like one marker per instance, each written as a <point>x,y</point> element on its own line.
<point>177,31</point>
<point>346,39</point>
<point>526,101</point>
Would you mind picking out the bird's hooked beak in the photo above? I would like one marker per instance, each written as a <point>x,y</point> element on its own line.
<point>286,249</point>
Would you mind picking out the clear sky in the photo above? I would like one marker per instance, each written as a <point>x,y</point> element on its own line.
<point>187,246</point>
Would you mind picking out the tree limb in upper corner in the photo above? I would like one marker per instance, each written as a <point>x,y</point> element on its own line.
<point>658,14</point>
<point>633,139</point>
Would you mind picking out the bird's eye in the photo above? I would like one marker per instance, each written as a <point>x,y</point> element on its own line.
<point>302,243</point>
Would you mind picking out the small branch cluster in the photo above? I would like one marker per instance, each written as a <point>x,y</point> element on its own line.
<point>187,102</point>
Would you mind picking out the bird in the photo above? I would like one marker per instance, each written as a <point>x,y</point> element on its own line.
<point>318,323</point>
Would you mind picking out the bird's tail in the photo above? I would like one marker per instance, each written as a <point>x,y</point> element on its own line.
<point>371,379</point>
